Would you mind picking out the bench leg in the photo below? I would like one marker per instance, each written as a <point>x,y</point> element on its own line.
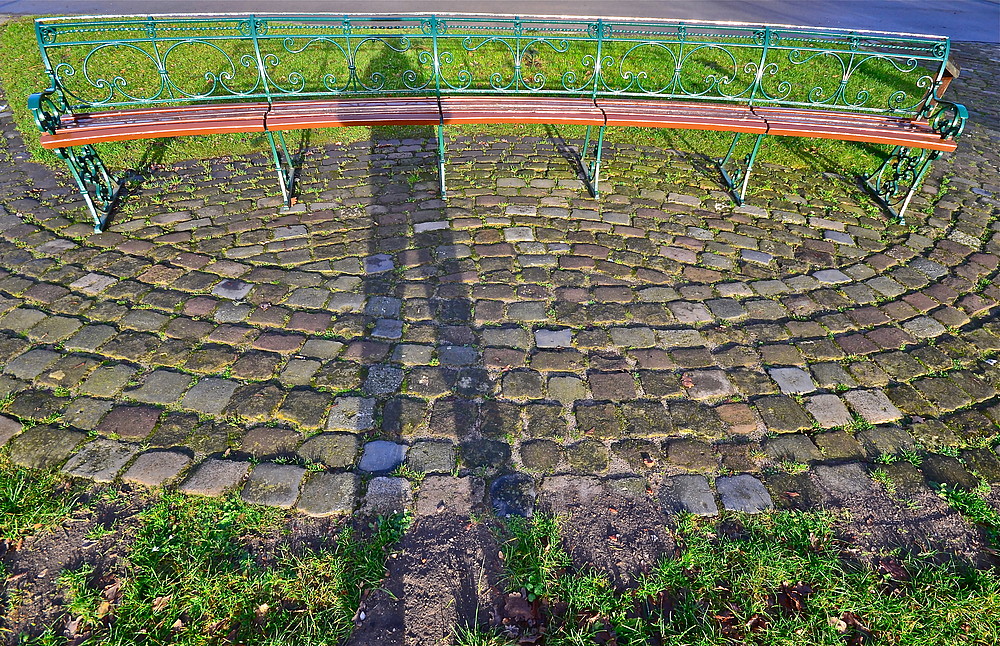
<point>593,171</point>
<point>440,136</point>
<point>91,174</point>
<point>737,176</point>
<point>896,180</point>
<point>284,165</point>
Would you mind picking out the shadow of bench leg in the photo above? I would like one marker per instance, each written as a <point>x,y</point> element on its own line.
<point>593,171</point>
<point>737,176</point>
<point>285,166</point>
<point>440,136</point>
<point>91,174</point>
<point>896,180</point>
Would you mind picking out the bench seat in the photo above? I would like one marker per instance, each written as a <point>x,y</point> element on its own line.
<point>686,115</point>
<point>150,123</point>
<point>336,113</point>
<point>847,126</point>
<point>517,109</point>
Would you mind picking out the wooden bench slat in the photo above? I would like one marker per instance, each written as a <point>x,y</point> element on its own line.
<point>681,115</point>
<point>516,109</point>
<point>149,123</point>
<point>334,113</point>
<point>867,128</point>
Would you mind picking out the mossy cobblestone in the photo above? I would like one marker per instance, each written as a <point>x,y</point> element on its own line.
<point>518,330</point>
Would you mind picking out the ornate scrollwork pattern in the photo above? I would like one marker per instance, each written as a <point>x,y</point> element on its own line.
<point>47,107</point>
<point>895,181</point>
<point>946,118</point>
<point>98,186</point>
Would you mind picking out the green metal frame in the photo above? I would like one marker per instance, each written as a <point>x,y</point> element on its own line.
<point>285,57</point>
<point>895,181</point>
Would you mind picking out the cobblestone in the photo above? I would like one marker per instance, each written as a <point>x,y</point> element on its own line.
<point>656,332</point>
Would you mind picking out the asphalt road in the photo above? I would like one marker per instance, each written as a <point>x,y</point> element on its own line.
<point>962,20</point>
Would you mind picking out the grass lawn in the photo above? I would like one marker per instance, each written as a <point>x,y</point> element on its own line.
<point>194,570</point>
<point>772,579</point>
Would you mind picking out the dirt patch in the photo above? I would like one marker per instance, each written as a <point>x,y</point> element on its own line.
<point>98,533</point>
<point>445,572</point>
<point>619,530</point>
<point>911,518</point>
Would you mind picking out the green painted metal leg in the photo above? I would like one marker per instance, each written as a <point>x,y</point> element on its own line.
<point>736,175</point>
<point>284,165</point>
<point>586,146</point>
<point>896,180</point>
<point>440,136</point>
<point>99,188</point>
<point>593,172</point>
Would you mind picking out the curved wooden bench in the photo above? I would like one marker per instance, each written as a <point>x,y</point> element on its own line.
<point>423,70</point>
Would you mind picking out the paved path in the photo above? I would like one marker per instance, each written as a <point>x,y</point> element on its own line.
<point>522,336</point>
<point>966,20</point>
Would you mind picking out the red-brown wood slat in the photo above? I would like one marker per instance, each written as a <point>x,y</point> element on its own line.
<point>333,113</point>
<point>847,126</point>
<point>516,109</point>
<point>149,123</point>
<point>685,115</point>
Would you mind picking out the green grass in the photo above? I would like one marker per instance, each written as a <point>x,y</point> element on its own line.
<point>769,579</point>
<point>22,73</point>
<point>972,505</point>
<point>193,578</point>
<point>32,501</point>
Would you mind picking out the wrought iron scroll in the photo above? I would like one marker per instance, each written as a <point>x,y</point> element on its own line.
<point>100,189</point>
<point>896,180</point>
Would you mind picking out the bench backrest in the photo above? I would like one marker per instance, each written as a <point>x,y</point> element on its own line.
<point>99,63</point>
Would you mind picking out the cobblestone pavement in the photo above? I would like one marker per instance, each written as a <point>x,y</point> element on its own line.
<point>659,342</point>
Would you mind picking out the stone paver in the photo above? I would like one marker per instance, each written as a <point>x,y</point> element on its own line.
<point>274,485</point>
<point>351,414</point>
<point>386,496</point>
<point>873,406</point>
<point>792,380</point>
<point>209,396</point>
<point>381,456</point>
<point>42,447</point>
<point>326,494</point>
<point>161,387</point>
<point>688,493</point>
<point>100,460</point>
<point>215,477</point>
<point>155,468</point>
<point>743,493</point>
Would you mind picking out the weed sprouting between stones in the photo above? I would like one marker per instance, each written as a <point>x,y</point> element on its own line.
<point>778,578</point>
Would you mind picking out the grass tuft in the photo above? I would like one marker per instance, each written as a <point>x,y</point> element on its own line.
<point>32,501</point>
<point>194,578</point>
<point>769,579</point>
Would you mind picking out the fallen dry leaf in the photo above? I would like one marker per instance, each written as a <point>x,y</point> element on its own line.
<point>518,608</point>
<point>160,603</point>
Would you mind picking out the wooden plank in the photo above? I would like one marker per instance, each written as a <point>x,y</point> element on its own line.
<point>335,113</point>
<point>153,130</point>
<point>520,109</point>
<point>684,115</point>
<point>845,126</point>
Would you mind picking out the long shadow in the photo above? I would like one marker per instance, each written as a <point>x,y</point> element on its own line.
<point>424,367</point>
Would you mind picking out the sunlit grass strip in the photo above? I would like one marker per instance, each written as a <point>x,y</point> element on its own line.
<point>32,501</point>
<point>193,578</point>
<point>768,579</point>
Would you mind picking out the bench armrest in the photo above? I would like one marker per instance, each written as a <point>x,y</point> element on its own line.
<point>946,118</point>
<point>47,107</point>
